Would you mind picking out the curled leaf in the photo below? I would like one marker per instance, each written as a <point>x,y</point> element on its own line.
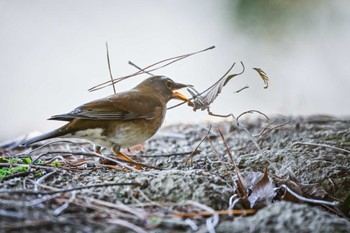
<point>263,76</point>
<point>256,189</point>
<point>263,192</point>
<point>203,100</point>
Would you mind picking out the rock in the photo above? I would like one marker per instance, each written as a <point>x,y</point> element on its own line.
<point>287,217</point>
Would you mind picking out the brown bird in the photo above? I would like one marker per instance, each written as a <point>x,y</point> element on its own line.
<point>121,120</point>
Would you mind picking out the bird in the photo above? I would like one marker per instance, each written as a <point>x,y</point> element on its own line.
<point>121,120</point>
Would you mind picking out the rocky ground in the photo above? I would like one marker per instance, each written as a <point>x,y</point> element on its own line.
<point>63,187</point>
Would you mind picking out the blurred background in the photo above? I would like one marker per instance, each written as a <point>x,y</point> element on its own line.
<point>52,52</point>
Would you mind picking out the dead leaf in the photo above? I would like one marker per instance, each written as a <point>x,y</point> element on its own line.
<point>255,189</point>
<point>313,190</point>
<point>202,101</point>
<point>290,184</point>
<point>310,190</point>
<point>263,76</point>
<point>263,192</point>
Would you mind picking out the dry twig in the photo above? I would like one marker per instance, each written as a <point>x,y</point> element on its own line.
<point>32,192</point>
<point>189,158</point>
<point>320,145</point>
<point>148,69</point>
<point>219,212</point>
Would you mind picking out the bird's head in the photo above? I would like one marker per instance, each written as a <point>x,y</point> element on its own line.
<point>164,86</point>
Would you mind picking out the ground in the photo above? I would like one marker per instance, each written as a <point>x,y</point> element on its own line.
<point>64,187</point>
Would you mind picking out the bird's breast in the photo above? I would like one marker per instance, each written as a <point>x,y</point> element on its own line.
<point>125,133</point>
<point>131,133</point>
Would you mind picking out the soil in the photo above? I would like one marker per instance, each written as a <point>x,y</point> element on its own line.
<point>307,150</point>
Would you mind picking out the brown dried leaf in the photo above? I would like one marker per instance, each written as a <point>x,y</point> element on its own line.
<point>313,190</point>
<point>203,100</point>
<point>263,76</point>
<point>263,192</point>
<point>310,190</point>
<point>290,184</point>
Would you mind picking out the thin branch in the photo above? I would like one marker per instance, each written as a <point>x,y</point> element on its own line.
<point>167,155</point>
<point>119,206</point>
<point>139,68</point>
<point>215,151</point>
<point>253,111</point>
<point>309,200</point>
<point>321,145</point>
<point>267,129</point>
<point>118,161</point>
<point>41,179</point>
<point>60,209</point>
<point>272,164</point>
<point>40,200</point>
<point>115,160</point>
<point>32,192</point>
<point>243,88</point>
<point>220,212</point>
<point>126,224</point>
<point>196,148</point>
<point>109,68</point>
<point>147,68</point>
<point>227,148</point>
<point>211,222</point>
<point>219,115</point>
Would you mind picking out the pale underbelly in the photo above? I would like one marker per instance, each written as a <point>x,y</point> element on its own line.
<point>124,135</point>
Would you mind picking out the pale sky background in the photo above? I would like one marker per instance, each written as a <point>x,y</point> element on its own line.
<point>51,52</point>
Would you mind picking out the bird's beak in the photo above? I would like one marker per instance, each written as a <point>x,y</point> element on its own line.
<point>177,95</point>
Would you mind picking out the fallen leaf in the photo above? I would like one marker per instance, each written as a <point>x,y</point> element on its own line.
<point>286,196</point>
<point>313,190</point>
<point>263,192</point>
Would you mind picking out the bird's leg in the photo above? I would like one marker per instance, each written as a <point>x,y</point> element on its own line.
<point>116,150</point>
<point>97,149</point>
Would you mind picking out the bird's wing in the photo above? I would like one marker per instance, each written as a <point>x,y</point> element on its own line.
<point>121,106</point>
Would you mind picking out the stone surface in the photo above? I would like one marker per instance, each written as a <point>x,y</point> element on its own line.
<point>287,217</point>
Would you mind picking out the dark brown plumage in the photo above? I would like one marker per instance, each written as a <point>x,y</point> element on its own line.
<point>124,119</point>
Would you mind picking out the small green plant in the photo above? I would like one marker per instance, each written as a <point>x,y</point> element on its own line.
<point>14,160</point>
<point>56,164</point>
<point>27,160</point>
<point>5,171</point>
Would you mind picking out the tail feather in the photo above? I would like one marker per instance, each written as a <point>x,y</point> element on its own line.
<point>49,135</point>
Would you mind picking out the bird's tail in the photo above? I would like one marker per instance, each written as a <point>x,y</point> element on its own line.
<point>49,135</point>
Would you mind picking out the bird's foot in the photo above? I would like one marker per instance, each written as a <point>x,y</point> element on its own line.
<point>127,158</point>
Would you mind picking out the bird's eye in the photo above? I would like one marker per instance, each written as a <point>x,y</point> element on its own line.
<point>169,84</point>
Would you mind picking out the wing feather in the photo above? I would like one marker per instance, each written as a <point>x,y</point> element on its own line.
<point>121,106</point>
